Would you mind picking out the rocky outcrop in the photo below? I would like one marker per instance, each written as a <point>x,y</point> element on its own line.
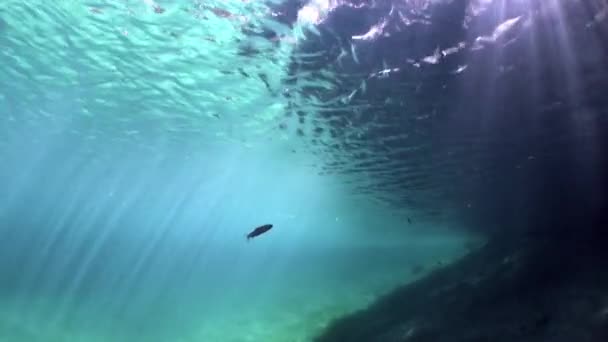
<point>525,289</point>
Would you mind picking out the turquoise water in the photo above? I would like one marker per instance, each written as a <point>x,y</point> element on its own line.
<point>150,250</point>
<point>144,250</point>
<point>136,155</point>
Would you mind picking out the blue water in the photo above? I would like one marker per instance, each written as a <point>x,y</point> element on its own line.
<point>132,168</point>
<point>154,250</point>
<point>140,141</point>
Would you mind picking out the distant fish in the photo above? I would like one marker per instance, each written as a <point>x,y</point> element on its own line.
<point>259,231</point>
<point>409,221</point>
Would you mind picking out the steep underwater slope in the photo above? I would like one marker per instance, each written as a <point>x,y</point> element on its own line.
<point>526,290</point>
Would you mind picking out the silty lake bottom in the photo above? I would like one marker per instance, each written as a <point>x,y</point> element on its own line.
<point>432,170</point>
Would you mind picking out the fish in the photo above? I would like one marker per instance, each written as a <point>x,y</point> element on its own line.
<point>409,221</point>
<point>258,231</point>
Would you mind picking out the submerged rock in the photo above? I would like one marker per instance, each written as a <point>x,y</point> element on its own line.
<point>525,290</point>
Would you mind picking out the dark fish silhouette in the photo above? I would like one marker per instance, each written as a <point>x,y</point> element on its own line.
<point>259,231</point>
<point>409,221</point>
